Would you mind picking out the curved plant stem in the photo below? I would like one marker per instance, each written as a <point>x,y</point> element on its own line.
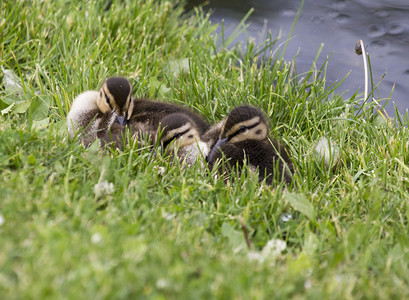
<point>365,69</point>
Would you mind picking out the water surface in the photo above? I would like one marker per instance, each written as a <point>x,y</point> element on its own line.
<point>383,25</point>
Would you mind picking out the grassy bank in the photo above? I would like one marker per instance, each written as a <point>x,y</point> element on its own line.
<point>78,222</point>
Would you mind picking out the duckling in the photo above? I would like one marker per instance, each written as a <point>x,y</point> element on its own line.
<point>244,137</point>
<point>148,114</point>
<point>178,130</point>
<point>114,136</point>
<point>93,112</point>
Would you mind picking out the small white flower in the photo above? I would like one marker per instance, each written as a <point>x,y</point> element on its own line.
<point>286,217</point>
<point>255,256</point>
<point>103,188</point>
<point>161,170</point>
<point>167,216</point>
<point>307,284</point>
<point>96,238</point>
<point>1,220</point>
<point>327,149</point>
<point>274,247</point>
<point>271,250</point>
<point>162,283</point>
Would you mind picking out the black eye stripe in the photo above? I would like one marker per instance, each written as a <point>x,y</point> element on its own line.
<point>242,129</point>
<point>176,136</point>
<point>108,102</point>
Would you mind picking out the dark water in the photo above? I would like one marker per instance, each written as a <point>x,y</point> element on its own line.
<point>383,25</point>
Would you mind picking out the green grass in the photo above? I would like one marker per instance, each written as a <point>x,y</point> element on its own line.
<point>180,234</point>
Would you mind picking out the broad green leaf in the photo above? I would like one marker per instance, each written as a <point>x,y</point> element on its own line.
<point>22,107</point>
<point>39,108</point>
<point>300,203</point>
<point>236,238</point>
<point>157,89</point>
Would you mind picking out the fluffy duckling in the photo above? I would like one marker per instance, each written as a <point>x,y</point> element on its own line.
<point>148,114</point>
<point>181,132</point>
<point>93,112</point>
<point>244,136</point>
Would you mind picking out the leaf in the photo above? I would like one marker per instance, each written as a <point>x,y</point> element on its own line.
<point>7,109</point>
<point>31,159</point>
<point>21,107</point>
<point>299,203</point>
<point>310,244</point>
<point>156,88</point>
<point>236,238</point>
<point>10,80</point>
<point>40,124</point>
<point>39,108</point>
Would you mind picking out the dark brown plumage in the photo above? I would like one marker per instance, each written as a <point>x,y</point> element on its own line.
<point>114,137</point>
<point>151,112</point>
<point>244,138</point>
<point>120,89</point>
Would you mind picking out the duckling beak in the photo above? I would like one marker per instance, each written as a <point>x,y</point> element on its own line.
<point>121,120</point>
<point>215,147</point>
<point>220,142</point>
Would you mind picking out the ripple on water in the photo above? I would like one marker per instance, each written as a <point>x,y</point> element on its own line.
<point>316,20</point>
<point>395,28</point>
<point>378,43</point>
<point>376,30</point>
<point>339,4</point>
<point>382,14</point>
<point>333,13</point>
<point>342,19</point>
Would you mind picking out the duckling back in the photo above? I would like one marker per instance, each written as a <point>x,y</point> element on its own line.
<point>152,112</point>
<point>86,119</point>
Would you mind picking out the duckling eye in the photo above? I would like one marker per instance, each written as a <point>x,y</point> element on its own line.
<point>242,129</point>
<point>177,135</point>
<point>107,99</point>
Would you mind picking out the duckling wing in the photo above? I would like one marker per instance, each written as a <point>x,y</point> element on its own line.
<point>270,158</point>
<point>114,136</point>
<point>152,112</point>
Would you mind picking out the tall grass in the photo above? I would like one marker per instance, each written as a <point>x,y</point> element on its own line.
<point>168,231</point>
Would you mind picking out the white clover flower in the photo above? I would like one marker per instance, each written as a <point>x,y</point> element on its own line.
<point>162,283</point>
<point>286,217</point>
<point>255,256</point>
<point>161,170</point>
<point>271,250</point>
<point>96,238</point>
<point>327,149</point>
<point>274,247</point>
<point>307,284</point>
<point>1,220</point>
<point>103,188</point>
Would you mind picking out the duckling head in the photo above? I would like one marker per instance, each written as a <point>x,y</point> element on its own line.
<point>244,123</point>
<point>115,95</point>
<point>178,130</point>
